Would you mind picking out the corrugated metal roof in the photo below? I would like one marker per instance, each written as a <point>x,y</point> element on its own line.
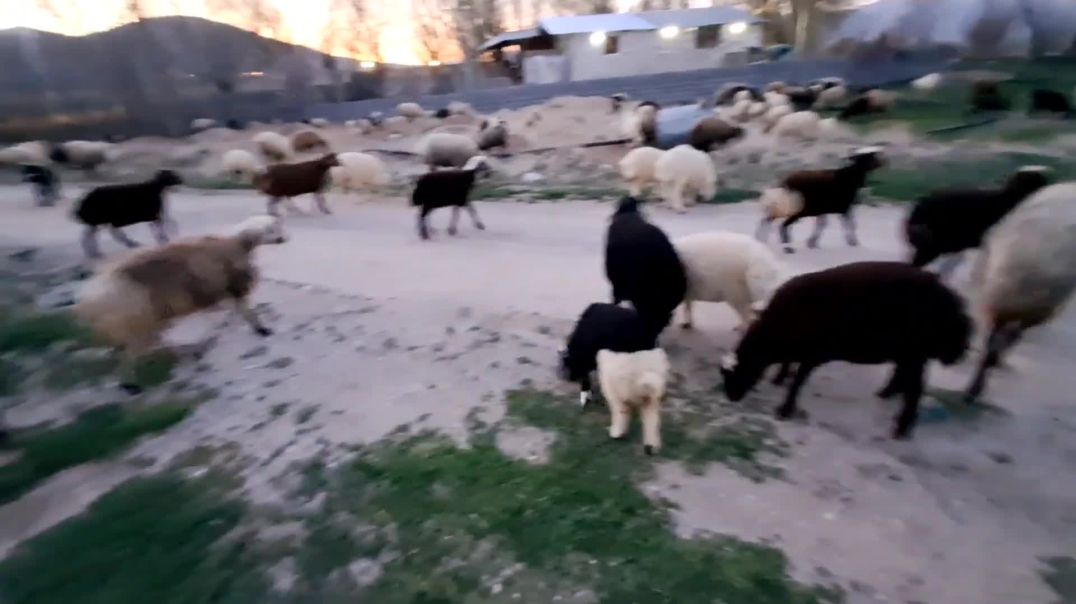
<point>697,17</point>
<point>583,24</point>
<point>508,38</point>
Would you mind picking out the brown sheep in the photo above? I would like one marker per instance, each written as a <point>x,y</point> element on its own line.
<point>132,302</point>
<point>712,131</point>
<point>285,181</point>
<point>305,141</point>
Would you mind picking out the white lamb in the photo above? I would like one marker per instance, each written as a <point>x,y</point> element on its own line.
<point>684,174</point>
<point>801,124</point>
<point>460,108</point>
<point>359,171</point>
<point>728,267</point>
<point>240,164</point>
<point>928,82</point>
<point>447,149</point>
<point>742,95</point>
<point>638,167</point>
<point>831,97</point>
<point>740,112</point>
<point>411,111</point>
<point>774,115</point>
<point>1026,272</point>
<point>87,155</point>
<point>33,152</point>
<point>774,99</point>
<point>320,122</point>
<point>634,381</point>
<point>273,146</point>
<point>757,110</point>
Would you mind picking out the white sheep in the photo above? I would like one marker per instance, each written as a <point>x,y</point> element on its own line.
<point>774,115</point>
<point>831,97</point>
<point>33,152</point>
<point>728,267</point>
<point>833,129</point>
<point>740,112</point>
<point>447,149</point>
<point>779,202</point>
<point>1025,274</point>
<point>411,111</point>
<point>640,124</point>
<point>358,171</point>
<point>774,99</point>
<point>684,174</point>
<point>203,123</point>
<point>757,110</point>
<point>634,381</point>
<point>240,164</point>
<point>929,82</point>
<point>273,146</point>
<point>320,122</point>
<point>776,86</point>
<point>801,124</point>
<point>638,167</point>
<point>86,155</point>
<point>460,108</point>
<point>742,95</point>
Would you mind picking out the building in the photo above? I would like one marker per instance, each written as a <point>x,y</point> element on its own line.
<point>588,47</point>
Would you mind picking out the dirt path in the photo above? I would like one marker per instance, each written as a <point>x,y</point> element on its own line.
<point>376,329</point>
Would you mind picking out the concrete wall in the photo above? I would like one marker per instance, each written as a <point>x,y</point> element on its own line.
<point>645,52</point>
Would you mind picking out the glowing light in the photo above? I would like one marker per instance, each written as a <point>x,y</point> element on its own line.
<point>669,32</point>
<point>367,65</point>
<point>597,38</point>
<point>737,28</point>
<point>434,63</point>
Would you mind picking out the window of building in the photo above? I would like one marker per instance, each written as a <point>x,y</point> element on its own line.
<point>612,45</point>
<point>708,36</point>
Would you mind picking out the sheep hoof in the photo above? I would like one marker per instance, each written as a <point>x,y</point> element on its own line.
<point>263,331</point>
<point>131,388</point>
<point>648,449</point>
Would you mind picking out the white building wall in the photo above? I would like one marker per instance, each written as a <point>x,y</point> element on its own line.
<point>645,52</point>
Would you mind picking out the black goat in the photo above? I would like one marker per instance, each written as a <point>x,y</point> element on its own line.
<point>46,183</point>
<point>1049,101</point>
<point>448,188</point>
<point>123,205</point>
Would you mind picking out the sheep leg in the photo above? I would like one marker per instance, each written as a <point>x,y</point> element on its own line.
<point>89,242</point>
<point>157,227</point>
<point>819,226</point>
<point>651,417</point>
<point>912,385</point>
<point>272,207</point>
<point>850,228</point>
<point>788,409</point>
<point>248,314</point>
<point>319,197</point>
<point>474,217</point>
<point>122,237</point>
<point>896,383</point>
<point>689,320</point>
<point>618,418</point>
<point>785,239</point>
<point>455,219</point>
<point>423,228</point>
<point>1000,340</point>
<point>294,209</point>
<point>782,373</point>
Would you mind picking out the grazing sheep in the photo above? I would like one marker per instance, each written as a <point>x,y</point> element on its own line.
<point>132,302</point>
<point>986,96</point>
<point>460,108</point>
<point>864,313</point>
<point>774,115</point>
<point>447,149</point>
<point>1025,274</point>
<point>362,125</point>
<point>757,110</point>
<point>929,82</point>
<point>411,111</point>
<point>308,141</point>
<point>285,181</point>
<point>358,171</point>
<point>84,155</point>
<point>801,124</point>
<point>123,205</point>
<point>634,380</point>
<point>376,118</point>
<point>642,266</point>
<point>638,167</point>
<point>711,131</point>
<point>833,129</point>
<point>776,86</point>
<point>274,147</point>
<point>448,188</point>
<point>319,122</point>
<point>30,153</point>
<point>492,134</point>
<point>830,97</point>
<point>773,99</point>
<point>684,175</point>
<point>801,98</point>
<point>870,102</point>
<point>818,193</point>
<point>601,327</point>
<point>641,123</point>
<point>203,123</point>
<point>241,165</point>
<point>741,112</point>
<point>732,92</point>
<point>46,184</point>
<point>1049,101</point>
<point>951,221</point>
<point>728,267</point>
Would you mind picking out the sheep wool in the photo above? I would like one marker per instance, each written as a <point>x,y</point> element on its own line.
<point>319,122</point>
<point>774,115</point>
<point>410,111</point>
<point>358,171</point>
<point>273,146</point>
<point>34,152</point>
<point>757,110</point>
<point>86,155</point>
<point>929,82</point>
<point>306,141</point>
<point>203,123</point>
<point>447,149</point>
<point>831,97</point>
<point>801,124</point>
<point>638,167</point>
<point>685,174</point>
<point>240,164</point>
<point>634,381</point>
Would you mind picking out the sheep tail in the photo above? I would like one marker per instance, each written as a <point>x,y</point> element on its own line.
<point>117,309</point>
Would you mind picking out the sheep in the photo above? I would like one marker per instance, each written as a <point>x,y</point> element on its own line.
<point>741,112</point>
<point>460,108</point>
<point>774,115</point>
<point>640,124</point>
<point>986,96</point>
<point>448,188</point>
<point>358,171</point>
<point>757,110</point>
<point>711,131</point>
<point>132,302</point>
<point>773,99</point>
<point>442,113</point>
<point>601,327</point>
<point>305,141</point>
<point>33,153</point>
<point>203,123</point>
<point>85,155</point>
<point>45,181</point>
<point>828,83</point>
<point>864,313</point>
<point>123,205</point>
<point>634,380</point>
<point>728,267</point>
<point>362,125</point>
<point>743,95</point>
<point>273,147</point>
<point>1049,101</point>
<point>776,86</point>
<point>446,149</point>
<point>285,181</point>
<point>801,98</point>
<point>929,82</point>
<point>818,193</point>
<point>240,164</point>
<point>685,174</point>
<point>830,97</point>
<point>616,101</point>
<point>492,134</point>
<point>800,124</point>
<point>319,122</point>
<point>732,92</point>
<point>638,169</point>
<point>642,266</point>
<point>1025,274</point>
<point>411,111</point>
<point>870,102</point>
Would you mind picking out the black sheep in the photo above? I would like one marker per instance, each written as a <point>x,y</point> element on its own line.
<point>123,205</point>
<point>643,267</point>
<point>442,113</point>
<point>865,313</point>
<point>448,188</point>
<point>987,96</point>
<point>601,327</point>
<point>823,192</point>
<point>951,221</point>
<point>1049,101</point>
<point>46,183</point>
<point>801,98</point>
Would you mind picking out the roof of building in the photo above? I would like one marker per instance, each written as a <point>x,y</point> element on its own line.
<point>613,22</point>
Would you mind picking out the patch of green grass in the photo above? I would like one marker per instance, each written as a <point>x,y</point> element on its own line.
<point>163,539</point>
<point>1060,575</point>
<point>917,178</point>
<point>35,332</point>
<point>78,371</point>
<point>96,434</point>
<point>11,377</point>
<point>732,196</point>
<point>154,369</point>
<point>278,410</point>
